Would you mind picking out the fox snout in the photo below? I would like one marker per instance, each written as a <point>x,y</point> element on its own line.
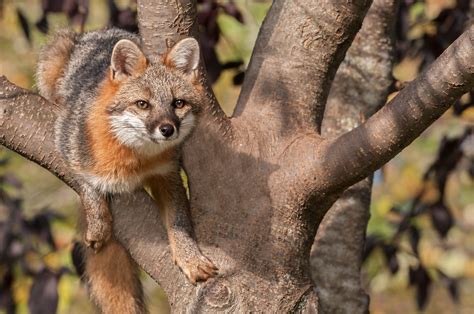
<point>163,127</point>
<point>173,129</point>
<point>165,130</point>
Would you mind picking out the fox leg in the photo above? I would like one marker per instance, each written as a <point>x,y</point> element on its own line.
<point>97,218</point>
<point>170,195</point>
<point>111,275</point>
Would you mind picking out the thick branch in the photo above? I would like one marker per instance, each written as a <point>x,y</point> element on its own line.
<point>297,53</point>
<point>362,81</point>
<point>29,132</point>
<point>361,151</point>
<point>360,87</point>
<point>337,252</point>
<point>163,23</point>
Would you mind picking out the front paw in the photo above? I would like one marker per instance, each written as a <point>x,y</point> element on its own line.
<point>97,234</point>
<point>195,266</point>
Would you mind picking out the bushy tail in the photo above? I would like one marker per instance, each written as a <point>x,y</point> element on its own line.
<point>52,62</point>
<point>113,281</point>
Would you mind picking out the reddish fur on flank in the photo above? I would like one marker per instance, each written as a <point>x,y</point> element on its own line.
<point>110,156</point>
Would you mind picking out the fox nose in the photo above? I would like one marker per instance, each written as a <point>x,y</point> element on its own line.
<point>166,130</point>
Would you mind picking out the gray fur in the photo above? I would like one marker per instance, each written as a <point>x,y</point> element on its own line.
<point>87,67</point>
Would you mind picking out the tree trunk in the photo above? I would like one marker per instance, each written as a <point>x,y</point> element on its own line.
<point>262,181</point>
<point>359,89</point>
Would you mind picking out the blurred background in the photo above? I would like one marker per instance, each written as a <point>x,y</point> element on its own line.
<point>420,250</point>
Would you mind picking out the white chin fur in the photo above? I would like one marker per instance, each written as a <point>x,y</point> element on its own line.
<point>131,131</point>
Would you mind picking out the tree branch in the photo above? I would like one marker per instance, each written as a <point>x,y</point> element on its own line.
<point>360,87</point>
<point>163,23</point>
<point>30,132</point>
<point>338,251</point>
<point>294,62</point>
<point>361,151</point>
<point>362,82</point>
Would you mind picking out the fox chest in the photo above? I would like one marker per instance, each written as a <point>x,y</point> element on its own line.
<point>122,174</point>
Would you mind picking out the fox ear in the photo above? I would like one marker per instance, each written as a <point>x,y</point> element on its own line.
<point>184,56</point>
<point>127,60</point>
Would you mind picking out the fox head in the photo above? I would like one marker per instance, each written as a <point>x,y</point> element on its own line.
<point>156,101</point>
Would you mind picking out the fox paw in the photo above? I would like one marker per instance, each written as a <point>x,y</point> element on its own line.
<point>97,234</point>
<point>197,268</point>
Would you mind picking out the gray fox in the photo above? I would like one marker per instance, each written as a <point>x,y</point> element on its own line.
<point>123,117</point>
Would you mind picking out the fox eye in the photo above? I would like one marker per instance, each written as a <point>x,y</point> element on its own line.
<point>141,104</point>
<point>178,103</point>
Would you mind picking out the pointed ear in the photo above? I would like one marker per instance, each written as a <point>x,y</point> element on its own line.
<point>127,60</point>
<point>184,56</point>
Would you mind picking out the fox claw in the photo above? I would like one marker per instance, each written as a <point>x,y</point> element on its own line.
<point>198,268</point>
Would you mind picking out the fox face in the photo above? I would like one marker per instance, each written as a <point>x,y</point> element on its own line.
<point>156,101</point>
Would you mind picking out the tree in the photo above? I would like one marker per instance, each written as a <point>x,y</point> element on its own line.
<point>285,168</point>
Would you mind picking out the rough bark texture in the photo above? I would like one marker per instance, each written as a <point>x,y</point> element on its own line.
<point>299,42</point>
<point>261,182</point>
<point>407,115</point>
<point>360,88</point>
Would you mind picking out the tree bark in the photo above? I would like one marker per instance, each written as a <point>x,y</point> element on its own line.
<point>360,88</point>
<point>299,42</point>
<point>398,123</point>
<point>261,182</point>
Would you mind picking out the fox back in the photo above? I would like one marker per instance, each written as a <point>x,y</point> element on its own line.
<point>123,113</point>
